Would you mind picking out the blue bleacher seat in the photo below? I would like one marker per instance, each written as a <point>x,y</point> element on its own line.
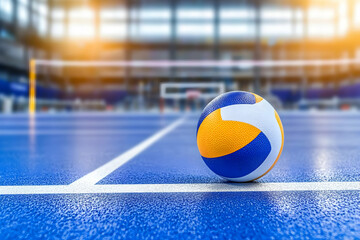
<point>287,95</point>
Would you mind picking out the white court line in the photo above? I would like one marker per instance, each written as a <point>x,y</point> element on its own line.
<point>71,123</point>
<point>181,188</point>
<point>101,172</point>
<point>76,132</point>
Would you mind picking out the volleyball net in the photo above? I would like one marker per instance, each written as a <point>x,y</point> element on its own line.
<point>192,90</point>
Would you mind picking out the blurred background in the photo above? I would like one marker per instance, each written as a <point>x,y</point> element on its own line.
<point>90,40</point>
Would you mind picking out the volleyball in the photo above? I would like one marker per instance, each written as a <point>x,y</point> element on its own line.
<point>240,136</point>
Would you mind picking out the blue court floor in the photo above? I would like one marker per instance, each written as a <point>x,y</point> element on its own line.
<point>140,176</point>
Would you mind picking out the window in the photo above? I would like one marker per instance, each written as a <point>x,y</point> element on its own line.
<point>151,31</point>
<point>81,30</point>
<point>58,14</point>
<point>195,14</point>
<point>81,23</point>
<point>237,22</point>
<point>343,22</point>
<point>57,29</point>
<point>112,25</point>
<point>150,24</point>
<point>317,13</point>
<point>154,14</point>
<point>113,31</point>
<point>81,14</point>
<point>42,9</point>
<point>195,30</point>
<point>299,30</point>
<point>236,14</point>
<point>276,29</point>
<point>23,16</point>
<point>357,14</point>
<point>321,30</point>
<point>321,22</point>
<point>299,14</point>
<point>6,9</point>
<point>195,24</point>
<point>235,30</point>
<point>42,25</point>
<point>276,14</point>
<point>25,2</point>
<point>113,13</point>
<point>40,17</point>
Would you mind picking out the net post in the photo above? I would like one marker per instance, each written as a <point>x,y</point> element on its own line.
<point>32,86</point>
<point>162,104</point>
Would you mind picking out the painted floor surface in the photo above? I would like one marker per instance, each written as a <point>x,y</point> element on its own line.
<point>61,149</point>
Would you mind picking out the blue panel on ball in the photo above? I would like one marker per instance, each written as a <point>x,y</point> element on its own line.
<point>243,161</point>
<point>227,99</point>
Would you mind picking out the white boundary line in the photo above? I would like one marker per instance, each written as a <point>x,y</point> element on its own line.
<point>182,188</point>
<point>76,132</point>
<point>95,176</point>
